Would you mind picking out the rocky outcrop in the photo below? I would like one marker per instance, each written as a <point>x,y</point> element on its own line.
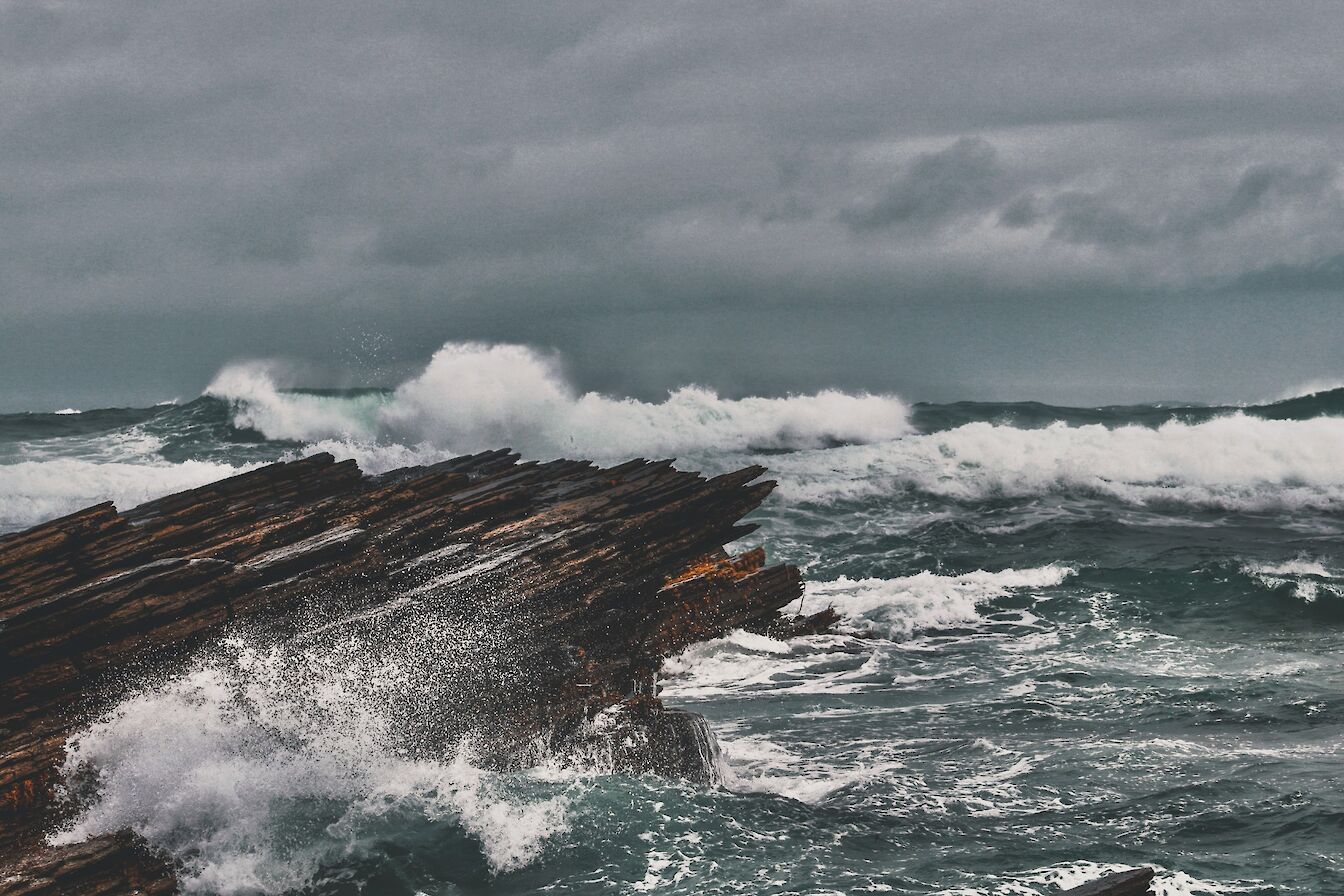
<point>588,577</point>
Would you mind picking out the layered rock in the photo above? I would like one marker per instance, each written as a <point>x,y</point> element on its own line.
<point>588,577</point>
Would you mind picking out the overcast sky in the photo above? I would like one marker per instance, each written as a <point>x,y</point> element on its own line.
<point>1079,202</point>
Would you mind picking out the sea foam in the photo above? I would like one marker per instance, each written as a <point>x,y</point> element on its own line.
<point>1308,579</point>
<point>898,607</point>
<point>1235,462</point>
<point>848,661</point>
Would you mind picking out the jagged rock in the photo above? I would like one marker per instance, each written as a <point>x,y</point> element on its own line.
<point>115,865</point>
<point>590,576</point>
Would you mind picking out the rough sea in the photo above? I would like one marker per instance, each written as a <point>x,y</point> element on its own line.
<point>1072,640</point>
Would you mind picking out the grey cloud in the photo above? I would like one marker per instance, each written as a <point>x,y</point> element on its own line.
<point>1260,186</point>
<point>1090,218</point>
<point>1096,219</point>
<point>1021,212</point>
<point>963,178</point>
<point>606,173</point>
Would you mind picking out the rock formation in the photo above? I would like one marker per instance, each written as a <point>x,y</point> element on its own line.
<point>587,578</point>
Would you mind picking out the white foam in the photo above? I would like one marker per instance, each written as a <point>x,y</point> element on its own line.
<point>744,663</point>
<point>898,607</point>
<point>474,396</point>
<point>255,389</point>
<point>34,491</point>
<point>755,764</point>
<point>68,411</point>
<point>1234,462</point>
<point>375,457</point>
<point>259,766</point>
<point>1308,578</point>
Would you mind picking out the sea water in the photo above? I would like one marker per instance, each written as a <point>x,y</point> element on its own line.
<point>1071,640</point>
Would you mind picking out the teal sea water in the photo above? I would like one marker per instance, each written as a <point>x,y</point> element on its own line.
<point>1072,639</point>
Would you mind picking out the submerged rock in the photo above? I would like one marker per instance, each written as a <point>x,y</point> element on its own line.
<point>1136,882</point>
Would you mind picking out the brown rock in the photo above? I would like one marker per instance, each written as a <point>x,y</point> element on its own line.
<point>589,576</point>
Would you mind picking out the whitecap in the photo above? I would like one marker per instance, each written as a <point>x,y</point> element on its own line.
<point>898,607</point>
<point>1235,462</point>
<point>476,396</point>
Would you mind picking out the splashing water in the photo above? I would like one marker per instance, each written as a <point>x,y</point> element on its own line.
<point>262,766</point>
<point>473,397</point>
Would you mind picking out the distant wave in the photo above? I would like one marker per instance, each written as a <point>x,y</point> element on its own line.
<point>1309,389</point>
<point>473,396</point>
<point>825,447</point>
<point>1311,401</point>
<point>1231,462</point>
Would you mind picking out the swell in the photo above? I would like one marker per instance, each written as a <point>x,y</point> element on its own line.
<point>928,417</point>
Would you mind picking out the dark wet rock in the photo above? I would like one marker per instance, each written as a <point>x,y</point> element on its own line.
<point>591,577</point>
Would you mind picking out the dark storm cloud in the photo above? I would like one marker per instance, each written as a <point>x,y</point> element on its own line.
<point>966,177</point>
<point>1262,189</point>
<point>810,193</point>
<point>1324,275</point>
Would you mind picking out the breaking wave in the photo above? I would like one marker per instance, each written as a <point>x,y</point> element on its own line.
<point>473,396</point>
<point>1305,579</point>
<point>1234,462</point>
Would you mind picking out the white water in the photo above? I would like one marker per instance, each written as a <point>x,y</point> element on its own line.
<point>896,608</point>
<point>34,491</point>
<point>1309,578</point>
<point>473,396</point>
<point>258,766</point>
<point>848,661</point>
<point>1234,463</point>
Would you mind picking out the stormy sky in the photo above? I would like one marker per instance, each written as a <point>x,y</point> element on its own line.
<point>1078,202</point>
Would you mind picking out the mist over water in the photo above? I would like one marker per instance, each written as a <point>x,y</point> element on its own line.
<point>1071,639</point>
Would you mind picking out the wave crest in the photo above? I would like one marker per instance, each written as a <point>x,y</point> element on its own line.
<point>1235,462</point>
<point>473,396</point>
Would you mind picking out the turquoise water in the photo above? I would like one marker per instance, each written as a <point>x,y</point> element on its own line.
<point>1071,640</point>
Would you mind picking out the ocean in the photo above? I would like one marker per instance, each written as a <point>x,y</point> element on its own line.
<point>1072,640</point>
